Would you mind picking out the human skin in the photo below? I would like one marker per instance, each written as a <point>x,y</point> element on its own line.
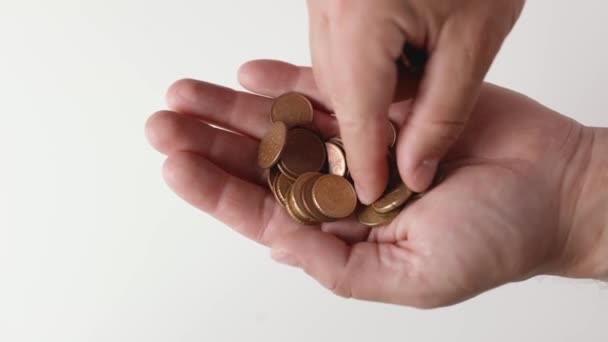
<point>354,45</point>
<point>524,194</point>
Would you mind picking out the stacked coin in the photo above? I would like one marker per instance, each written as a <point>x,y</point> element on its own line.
<point>309,176</point>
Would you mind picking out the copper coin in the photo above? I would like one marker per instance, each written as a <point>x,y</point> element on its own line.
<point>272,145</point>
<point>304,152</point>
<point>271,175</point>
<point>336,159</point>
<point>392,135</point>
<point>274,191</point>
<point>369,217</point>
<point>282,185</point>
<point>284,172</point>
<point>293,109</point>
<point>309,203</point>
<point>334,196</point>
<point>292,211</point>
<point>393,199</point>
<point>295,198</point>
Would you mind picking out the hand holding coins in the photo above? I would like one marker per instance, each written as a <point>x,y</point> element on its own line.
<point>309,177</point>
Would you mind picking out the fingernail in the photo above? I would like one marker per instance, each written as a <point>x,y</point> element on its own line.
<point>284,257</point>
<point>424,173</point>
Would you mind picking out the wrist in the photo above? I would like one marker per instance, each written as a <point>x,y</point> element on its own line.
<point>585,250</point>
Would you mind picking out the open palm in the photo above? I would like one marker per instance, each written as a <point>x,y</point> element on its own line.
<point>494,219</point>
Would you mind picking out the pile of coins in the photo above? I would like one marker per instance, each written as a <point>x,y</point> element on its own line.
<point>309,176</point>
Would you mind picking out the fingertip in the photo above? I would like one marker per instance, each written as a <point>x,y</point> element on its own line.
<point>160,127</point>
<point>367,162</point>
<point>249,72</point>
<point>180,89</point>
<point>263,72</point>
<point>423,175</point>
<point>368,194</point>
<point>416,174</point>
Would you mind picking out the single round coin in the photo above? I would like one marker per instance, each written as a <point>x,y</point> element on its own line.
<point>295,198</point>
<point>293,109</point>
<point>293,212</point>
<point>271,175</point>
<point>371,218</point>
<point>272,145</point>
<point>275,191</point>
<point>336,159</point>
<point>393,199</point>
<point>334,196</point>
<point>304,152</point>
<point>282,185</point>
<point>309,203</point>
<point>285,172</point>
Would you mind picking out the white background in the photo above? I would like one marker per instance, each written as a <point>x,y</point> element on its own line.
<point>93,245</point>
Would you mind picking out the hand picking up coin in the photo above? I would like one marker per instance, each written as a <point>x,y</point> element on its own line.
<point>309,176</point>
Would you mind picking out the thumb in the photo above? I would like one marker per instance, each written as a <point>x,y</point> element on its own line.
<point>365,270</point>
<point>447,93</point>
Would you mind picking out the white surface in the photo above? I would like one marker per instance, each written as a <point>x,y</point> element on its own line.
<point>93,245</point>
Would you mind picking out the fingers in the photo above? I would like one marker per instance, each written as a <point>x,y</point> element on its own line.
<point>363,80</point>
<point>442,107</point>
<point>273,78</point>
<point>320,48</point>
<point>171,132</point>
<point>369,271</point>
<point>237,111</point>
<point>247,208</point>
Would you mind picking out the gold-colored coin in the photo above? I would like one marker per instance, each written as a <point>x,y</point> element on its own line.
<point>282,185</point>
<point>286,173</point>
<point>272,180</point>
<point>295,201</point>
<point>334,196</point>
<point>304,152</point>
<point>293,109</point>
<point>336,159</point>
<point>393,199</point>
<point>290,206</point>
<point>309,203</point>
<point>271,175</point>
<point>272,145</point>
<point>371,218</point>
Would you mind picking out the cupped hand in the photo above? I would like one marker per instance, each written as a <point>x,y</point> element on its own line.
<point>497,217</point>
<point>355,46</point>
